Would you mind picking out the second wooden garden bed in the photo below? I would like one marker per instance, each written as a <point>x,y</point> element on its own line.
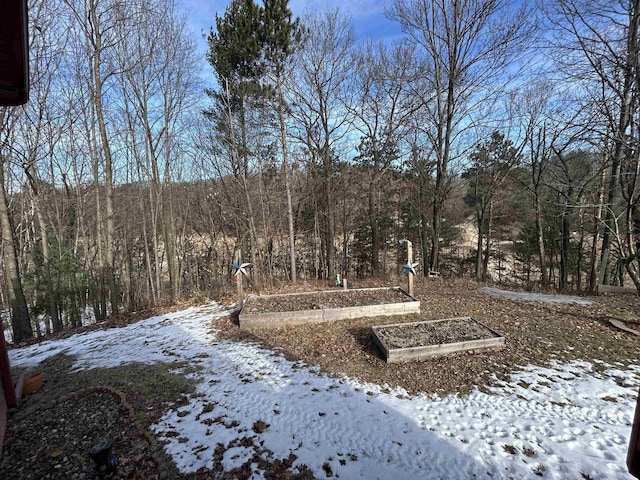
<point>412,341</point>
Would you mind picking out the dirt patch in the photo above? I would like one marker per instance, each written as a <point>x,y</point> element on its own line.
<point>323,300</point>
<point>536,333</point>
<point>64,455</point>
<point>50,434</point>
<point>433,333</point>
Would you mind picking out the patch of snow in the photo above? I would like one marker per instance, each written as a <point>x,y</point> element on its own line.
<point>566,421</point>
<point>87,317</point>
<point>235,457</point>
<point>536,297</point>
<point>5,321</point>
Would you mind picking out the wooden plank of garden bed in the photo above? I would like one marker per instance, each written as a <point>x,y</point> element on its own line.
<point>300,317</point>
<point>280,318</point>
<point>622,326</point>
<point>380,344</point>
<point>384,309</point>
<point>415,353</point>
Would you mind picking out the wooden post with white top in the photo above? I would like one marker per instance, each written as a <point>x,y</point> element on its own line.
<point>410,262</point>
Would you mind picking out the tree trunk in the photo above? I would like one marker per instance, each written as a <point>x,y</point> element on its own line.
<point>629,244</point>
<point>20,318</point>
<point>285,170</point>
<point>373,225</point>
<point>96,64</point>
<point>329,209</point>
<point>52,300</point>
<point>544,275</point>
<point>628,97</point>
<point>564,247</point>
<point>97,287</point>
<point>51,297</point>
<point>423,244</point>
<point>253,236</point>
<point>479,224</point>
<point>374,209</point>
<point>445,130</point>
<point>434,259</point>
<point>318,247</point>
<point>597,218</point>
<point>479,245</point>
<point>169,223</point>
<point>580,251</point>
<point>422,202</point>
<point>487,253</point>
<point>151,296</point>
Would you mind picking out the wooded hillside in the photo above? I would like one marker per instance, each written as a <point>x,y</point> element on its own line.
<point>128,182</point>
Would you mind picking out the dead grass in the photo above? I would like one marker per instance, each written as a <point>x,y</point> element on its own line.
<point>536,333</point>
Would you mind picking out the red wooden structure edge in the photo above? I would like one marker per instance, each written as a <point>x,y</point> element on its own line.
<point>4,417</point>
<point>14,68</point>
<point>5,375</point>
<point>9,398</point>
<point>633,453</point>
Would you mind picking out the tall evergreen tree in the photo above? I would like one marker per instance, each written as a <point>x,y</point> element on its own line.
<point>236,55</point>
<point>235,48</point>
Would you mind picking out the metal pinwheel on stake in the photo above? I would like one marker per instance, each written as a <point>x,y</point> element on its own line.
<point>410,268</point>
<point>240,270</point>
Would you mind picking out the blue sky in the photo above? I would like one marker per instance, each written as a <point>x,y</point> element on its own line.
<point>367,15</point>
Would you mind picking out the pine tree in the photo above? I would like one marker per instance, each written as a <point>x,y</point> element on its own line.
<point>236,55</point>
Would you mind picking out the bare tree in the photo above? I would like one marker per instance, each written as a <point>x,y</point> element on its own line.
<point>282,35</point>
<point>547,124</point>
<point>597,44</point>
<point>467,46</point>
<point>102,25</point>
<point>236,55</point>
<point>156,91</point>
<point>41,126</point>
<point>20,318</point>
<point>321,92</point>
<point>382,112</point>
<point>571,174</point>
<point>491,164</point>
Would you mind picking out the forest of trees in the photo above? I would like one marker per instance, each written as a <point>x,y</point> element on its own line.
<point>127,182</point>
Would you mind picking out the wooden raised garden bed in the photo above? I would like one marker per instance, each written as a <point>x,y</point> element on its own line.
<point>412,341</point>
<point>324,306</point>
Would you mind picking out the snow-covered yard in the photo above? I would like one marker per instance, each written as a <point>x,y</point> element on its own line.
<point>565,421</point>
